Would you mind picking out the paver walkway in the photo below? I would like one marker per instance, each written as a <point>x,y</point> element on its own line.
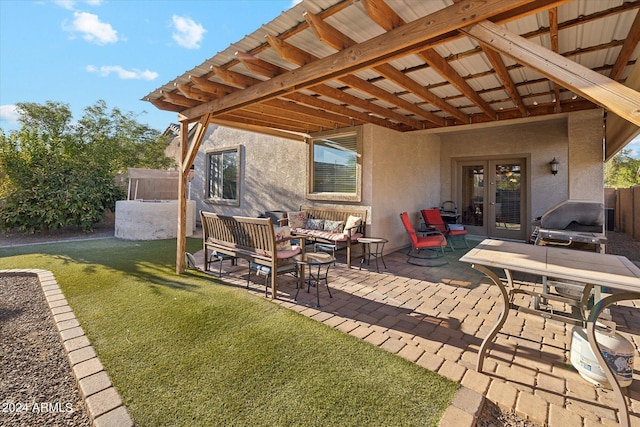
<point>437,317</point>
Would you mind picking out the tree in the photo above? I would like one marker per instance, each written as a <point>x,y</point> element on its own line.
<point>57,173</point>
<point>622,171</point>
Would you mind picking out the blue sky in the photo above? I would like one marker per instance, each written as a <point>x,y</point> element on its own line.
<point>80,51</point>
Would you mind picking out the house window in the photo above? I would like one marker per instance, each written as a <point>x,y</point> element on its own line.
<point>335,166</point>
<point>223,176</point>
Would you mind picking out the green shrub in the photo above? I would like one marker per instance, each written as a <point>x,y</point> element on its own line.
<point>56,174</point>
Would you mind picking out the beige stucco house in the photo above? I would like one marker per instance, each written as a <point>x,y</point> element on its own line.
<point>413,171</point>
<point>401,105</point>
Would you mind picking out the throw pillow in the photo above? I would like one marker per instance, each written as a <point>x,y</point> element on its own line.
<point>352,222</point>
<point>315,224</point>
<point>297,219</point>
<point>282,238</point>
<point>333,226</point>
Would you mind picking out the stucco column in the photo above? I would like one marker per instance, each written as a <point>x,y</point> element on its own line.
<point>586,155</point>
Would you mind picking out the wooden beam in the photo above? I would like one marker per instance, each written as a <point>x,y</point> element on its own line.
<point>401,79</point>
<point>214,88</point>
<point>411,37</point>
<point>296,136</point>
<point>178,99</point>
<point>443,68</point>
<point>259,66</point>
<point>198,135</point>
<point>284,111</point>
<point>233,78</point>
<point>388,19</point>
<point>358,117</point>
<point>593,86</point>
<point>329,35</point>
<point>288,52</point>
<point>619,132</point>
<point>253,119</point>
<point>366,105</point>
<point>193,92</point>
<point>165,106</point>
<point>181,238</point>
<point>294,54</point>
<point>383,95</point>
<point>503,75</point>
<point>326,33</point>
<point>628,47</point>
<point>304,113</point>
<point>382,14</point>
<point>553,35</point>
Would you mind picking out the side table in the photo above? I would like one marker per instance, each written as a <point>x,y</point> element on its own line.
<point>318,264</point>
<point>372,247</point>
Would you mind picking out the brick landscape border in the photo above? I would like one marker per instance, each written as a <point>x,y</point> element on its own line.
<point>103,403</point>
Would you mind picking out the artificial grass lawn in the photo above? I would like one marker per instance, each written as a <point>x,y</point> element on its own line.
<point>190,350</point>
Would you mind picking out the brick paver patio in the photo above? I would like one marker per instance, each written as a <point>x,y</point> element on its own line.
<point>437,318</point>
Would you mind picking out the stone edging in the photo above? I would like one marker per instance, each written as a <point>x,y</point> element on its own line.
<point>103,403</point>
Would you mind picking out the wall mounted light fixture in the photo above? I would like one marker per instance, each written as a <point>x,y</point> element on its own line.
<point>554,166</point>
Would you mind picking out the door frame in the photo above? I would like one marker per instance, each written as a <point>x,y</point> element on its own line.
<point>485,229</point>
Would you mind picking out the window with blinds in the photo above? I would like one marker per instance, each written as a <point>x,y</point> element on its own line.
<point>223,176</point>
<point>335,170</point>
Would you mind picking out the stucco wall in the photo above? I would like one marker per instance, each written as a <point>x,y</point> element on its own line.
<point>138,220</point>
<point>411,171</point>
<point>273,172</point>
<point>402,173</point>
<point>540,141</point>
<point>586,155</point>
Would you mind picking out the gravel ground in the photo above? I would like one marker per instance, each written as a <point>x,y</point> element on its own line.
<point>37,387</point>
<point>34,368</point>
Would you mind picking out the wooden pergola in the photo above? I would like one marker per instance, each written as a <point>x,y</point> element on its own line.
<point>407,66</point>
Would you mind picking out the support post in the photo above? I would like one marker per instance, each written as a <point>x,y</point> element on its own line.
<point>181,245</point>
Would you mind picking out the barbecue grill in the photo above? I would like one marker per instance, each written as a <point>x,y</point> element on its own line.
<point>574,224</point>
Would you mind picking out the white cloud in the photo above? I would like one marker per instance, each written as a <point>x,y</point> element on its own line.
<point>70,4</point>
<point>92,29</point>
<point>295,2</point>
<point>65,4</point>
<point>133,74</point>
<point>9,113</point>
<point>188,33</point>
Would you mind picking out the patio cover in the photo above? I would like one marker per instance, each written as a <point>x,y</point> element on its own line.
<point>412,65</point>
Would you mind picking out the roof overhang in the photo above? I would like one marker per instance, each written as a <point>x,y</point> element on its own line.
<point>411,66</point>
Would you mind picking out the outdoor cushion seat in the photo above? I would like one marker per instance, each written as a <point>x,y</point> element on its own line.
<point>432,218</point>
<point>264,270</point>
<point>326,235</point>
<point>432,241</point>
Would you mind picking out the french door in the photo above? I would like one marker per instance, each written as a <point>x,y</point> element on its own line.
<point>492,197</point>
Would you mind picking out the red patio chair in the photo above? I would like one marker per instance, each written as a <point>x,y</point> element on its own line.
<point>432,218</point>
<point>430,240</point>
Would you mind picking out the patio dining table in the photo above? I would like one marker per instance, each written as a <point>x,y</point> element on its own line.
<point>619,276</point>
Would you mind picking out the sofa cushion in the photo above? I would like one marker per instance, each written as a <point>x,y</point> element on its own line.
<point>352,223</point>
<point>333,226</point>
<point>314,224</point>
<point>283,237</point>
<point>297,219</point>
<point>325,235</point>
<point>288,253</point>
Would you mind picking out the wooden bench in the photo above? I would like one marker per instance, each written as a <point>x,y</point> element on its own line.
<point>252,239</point>
<point>338,240</point>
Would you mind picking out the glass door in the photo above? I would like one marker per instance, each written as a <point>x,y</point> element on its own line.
<point>506,200</point>
<point>492,197</point>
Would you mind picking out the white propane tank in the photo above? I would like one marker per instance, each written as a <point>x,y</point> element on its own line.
<point>616,350</point>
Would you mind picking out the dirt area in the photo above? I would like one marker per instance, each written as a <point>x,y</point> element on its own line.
<point>36,383</point>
